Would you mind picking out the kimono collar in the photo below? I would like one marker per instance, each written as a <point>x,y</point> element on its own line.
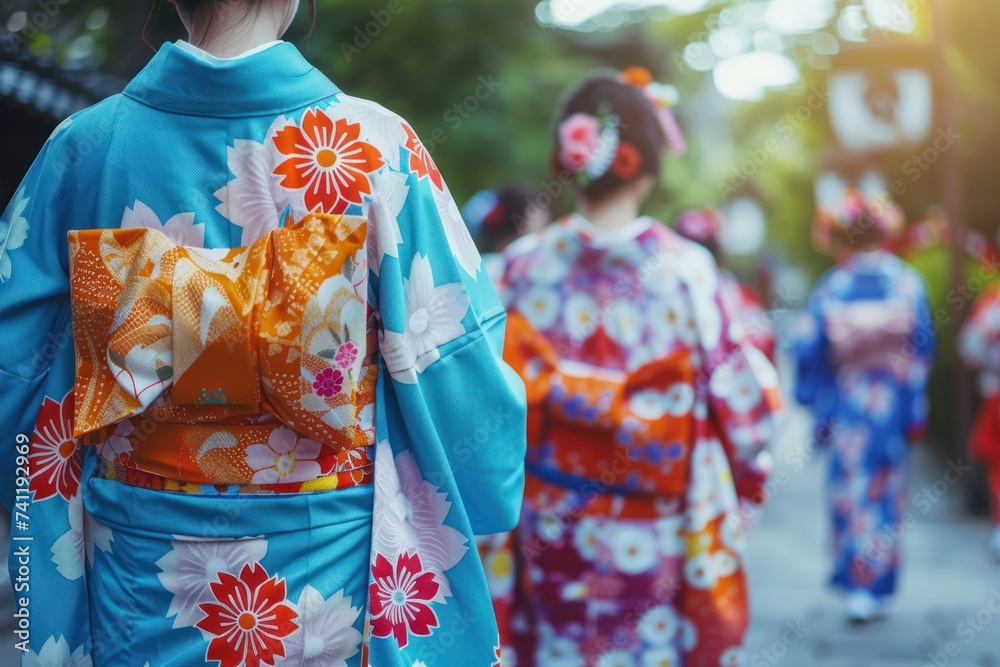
<point>268,82</point>
<point>599,236</point>
<point>873,262</point>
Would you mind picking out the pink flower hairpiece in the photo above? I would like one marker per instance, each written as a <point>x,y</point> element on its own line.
<point>588,144</point>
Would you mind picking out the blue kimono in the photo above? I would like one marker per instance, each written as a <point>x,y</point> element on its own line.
<point>864,346</point>
<point>265,561</point>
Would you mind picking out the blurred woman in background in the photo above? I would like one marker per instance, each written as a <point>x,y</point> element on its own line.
<point>979,346</point>
<point>498,218</point>
<point>864,346</point>
<point>631,546</point>
<point>705,226</point>
<point>501,217</point>
<point>254,456</point>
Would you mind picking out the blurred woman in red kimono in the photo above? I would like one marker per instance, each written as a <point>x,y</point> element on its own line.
<point>631,546</point>
<point>979,346</point>
<point>705,226</point>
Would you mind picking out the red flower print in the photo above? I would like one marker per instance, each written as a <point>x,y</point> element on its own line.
<point>249,618</point>
<point>627,161</point>
<point>420,160</point>
<point>329,382</point>
<point>400,599</point>
<point>54,459</point>
<point>328,159</point>
<point>346,355</point>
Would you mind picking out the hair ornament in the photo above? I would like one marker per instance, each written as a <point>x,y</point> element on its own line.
<point>663,98</point>
<point>588,144</point>
<point>854,214</point>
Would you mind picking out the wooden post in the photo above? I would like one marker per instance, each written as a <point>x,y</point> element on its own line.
<point>953,199</point>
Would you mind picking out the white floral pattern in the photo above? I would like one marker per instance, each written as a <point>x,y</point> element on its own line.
<point>659,626</point>
<point>633,549</point>
<point>192,564</point>
<point>253,200</point>
<point>434,317</point>
<point>540,306</point>
<point>286,457</point>
<point>85,534</point>
<point>410,515</point>
<point>661,657</point>
<point>13,232</point>
<point>181,229</point>
<point>56,653</point>
<point>118,444</point>
<point>326,636</point>
<point>459,240</point>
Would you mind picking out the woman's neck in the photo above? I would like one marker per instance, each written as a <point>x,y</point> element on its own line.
<point>233,34</point>
<point>610,213</point>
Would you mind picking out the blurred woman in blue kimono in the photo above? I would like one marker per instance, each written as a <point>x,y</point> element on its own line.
<point>257,408</point>
<point>864,346</point>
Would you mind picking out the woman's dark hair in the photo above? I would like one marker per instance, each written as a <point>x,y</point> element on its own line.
<point>507,219</point>
<point>194,6</point>
<point>638,127</point>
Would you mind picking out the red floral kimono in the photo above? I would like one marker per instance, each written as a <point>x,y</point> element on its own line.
<point>643,400</point>
<point>979,345</point>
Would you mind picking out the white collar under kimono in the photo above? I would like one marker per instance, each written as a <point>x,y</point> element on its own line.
<point>606,237</point>
<point>205,55</point>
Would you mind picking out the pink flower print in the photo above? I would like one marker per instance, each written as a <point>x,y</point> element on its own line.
<point>346,355</point>
<point>329,383</point>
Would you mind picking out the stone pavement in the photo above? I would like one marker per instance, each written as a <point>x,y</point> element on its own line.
<point>947,577</point>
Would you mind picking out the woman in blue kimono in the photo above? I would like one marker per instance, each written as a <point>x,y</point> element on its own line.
<point>864,344</point>
<point>252,399</point>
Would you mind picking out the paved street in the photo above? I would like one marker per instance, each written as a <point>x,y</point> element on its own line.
<point>947,577</point>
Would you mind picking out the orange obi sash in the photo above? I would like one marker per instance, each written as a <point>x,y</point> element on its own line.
<point>617,432</point>
<point>240,366</point>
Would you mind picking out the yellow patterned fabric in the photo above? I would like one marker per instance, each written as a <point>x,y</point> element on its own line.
<point>268,336</point>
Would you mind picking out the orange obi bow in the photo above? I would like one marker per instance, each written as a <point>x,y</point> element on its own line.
<point>626,431</point>
<point>190,335</point>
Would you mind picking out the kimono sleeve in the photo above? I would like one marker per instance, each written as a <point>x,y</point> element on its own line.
<point>742,385</point>
<point>813,370</point>
<point>34,303</point>
<point>978,338</point>
<point>442,330</point>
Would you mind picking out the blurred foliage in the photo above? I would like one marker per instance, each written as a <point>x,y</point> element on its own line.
<point>422,58</point>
